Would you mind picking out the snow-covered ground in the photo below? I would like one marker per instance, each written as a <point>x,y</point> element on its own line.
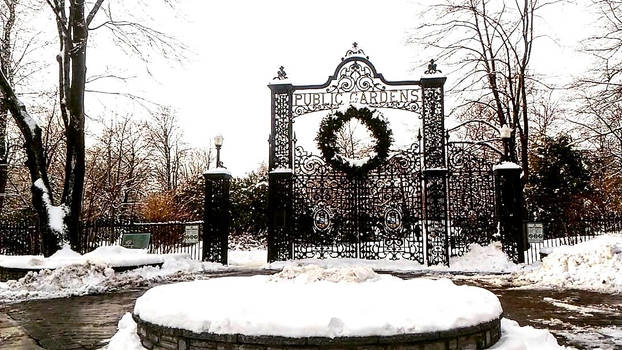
<point>480,259</point>
<point>93,278</point>
<point>327,304</point>
<point>594,265</point>
<point>113,256</point>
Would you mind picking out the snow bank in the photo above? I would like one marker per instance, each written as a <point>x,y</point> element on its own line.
<point>593,265</point>
<point>307,302</point>
<point>515,337</point>
<point>115,256</point>
<point>481,259</point>
<point>92,278</point>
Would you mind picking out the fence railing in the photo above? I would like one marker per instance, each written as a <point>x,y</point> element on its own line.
<point>23,238</point>
<point>559,232</point>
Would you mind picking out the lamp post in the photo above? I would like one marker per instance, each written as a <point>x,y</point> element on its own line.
<point>506,134</point>
<point>218,139</point>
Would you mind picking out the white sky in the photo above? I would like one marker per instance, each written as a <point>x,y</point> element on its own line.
<point>238,46</point>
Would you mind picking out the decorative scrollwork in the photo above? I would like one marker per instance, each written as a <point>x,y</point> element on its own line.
<point>373,217</point>
<point>355,76</point>
<point>471,193</point>
<point>432,68</point>
<point>434,128</point>
<point>281,75</point>
<point>282,124</point>
<point>355,51</point>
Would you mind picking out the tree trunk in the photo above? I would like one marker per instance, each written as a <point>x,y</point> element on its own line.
<point>73,188</point>
<point>35,161</point>
<point>7,68</point>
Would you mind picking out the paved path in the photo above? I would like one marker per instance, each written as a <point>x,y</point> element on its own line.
<point>581,319</point>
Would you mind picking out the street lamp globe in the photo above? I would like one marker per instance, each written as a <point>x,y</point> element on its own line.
<point>505,132</point>
<point>218,139</point>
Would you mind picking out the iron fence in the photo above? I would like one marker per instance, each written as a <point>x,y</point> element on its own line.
<point>23,237</point>
<point>560,232</point>
<point>19,238</point>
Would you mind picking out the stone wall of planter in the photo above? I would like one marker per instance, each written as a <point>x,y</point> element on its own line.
<point>482,336</point>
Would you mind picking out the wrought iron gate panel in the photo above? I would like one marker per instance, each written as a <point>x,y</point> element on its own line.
<point>373,217</point>
<point>471,193</point>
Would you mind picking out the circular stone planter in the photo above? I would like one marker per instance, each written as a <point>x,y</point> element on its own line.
<point>355,309</point>
<point>480,336</point>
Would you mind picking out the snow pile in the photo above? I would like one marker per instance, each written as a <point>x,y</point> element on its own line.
<point>482,259</point>
<point>251,258</point>
<point>92,278</point>
<point>592,265</point>
<point>62,282</point>
<point>126,337</point>
<point>262,305</point>
<point>490,258</point>
<point>515,337</point>
<point>115,256</point>
<point>314,273</point>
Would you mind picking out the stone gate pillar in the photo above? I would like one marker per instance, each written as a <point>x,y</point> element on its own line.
<point>280,170</point>
<point>435,170</point>
<point>217,216</point>
<point>509,203</point>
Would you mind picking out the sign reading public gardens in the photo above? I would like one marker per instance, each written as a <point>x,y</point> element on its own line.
<point>398,97</point>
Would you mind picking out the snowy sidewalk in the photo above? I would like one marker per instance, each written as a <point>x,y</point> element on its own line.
<point>87,322</point>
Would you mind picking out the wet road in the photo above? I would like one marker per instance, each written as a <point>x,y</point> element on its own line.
<point>581,319</point>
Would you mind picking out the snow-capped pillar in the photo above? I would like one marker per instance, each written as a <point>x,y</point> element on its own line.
<point>280,176</point>
<point>509,199</point>
<point>435,170</point>
<point>217,216</point>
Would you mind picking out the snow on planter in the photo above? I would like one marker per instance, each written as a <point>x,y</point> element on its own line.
<point>592,265</point>
<point>313,302</point>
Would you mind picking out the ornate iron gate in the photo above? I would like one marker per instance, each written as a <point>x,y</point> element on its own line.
<point>397,210</point>
<point>373,217</point>
<point>471,193</point>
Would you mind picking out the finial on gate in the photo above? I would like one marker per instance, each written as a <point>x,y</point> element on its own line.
<point>280,75</point>
<point>432,68</point>
<point>355,50</point>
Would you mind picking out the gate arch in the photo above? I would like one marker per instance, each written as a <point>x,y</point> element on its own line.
<point>398,210</point>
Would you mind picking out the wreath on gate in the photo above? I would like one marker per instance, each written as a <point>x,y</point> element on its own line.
<point>327,140</point>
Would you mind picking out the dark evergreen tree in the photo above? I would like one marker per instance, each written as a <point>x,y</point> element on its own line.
<point>249,200</point>
<point>558,187</point>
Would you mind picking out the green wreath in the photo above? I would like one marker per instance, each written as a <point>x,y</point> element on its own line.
<point>327,140</point>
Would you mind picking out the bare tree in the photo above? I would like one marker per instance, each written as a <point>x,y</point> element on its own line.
<point>598,117</point>
<point>74,21</point>
<point>164,138</point>
<point>17,44</point>
<point>118,170</point>
<point>489,44</point>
